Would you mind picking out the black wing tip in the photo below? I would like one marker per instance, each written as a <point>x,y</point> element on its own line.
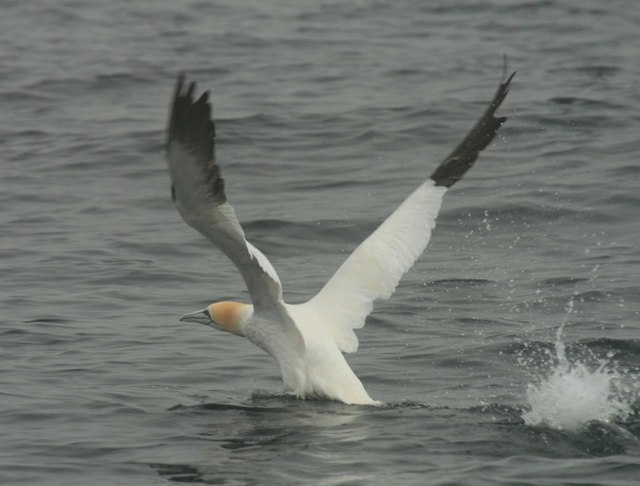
<point>190,122</point>
<point>182,77</point>
<point>505,70</point>
<point>505,86</point>
<point>481,135</point>
<point>191,126</point>
<point>179,89</point>
<point>204,99</point>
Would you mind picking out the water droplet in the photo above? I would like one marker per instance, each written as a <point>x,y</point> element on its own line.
<point>574,393</point>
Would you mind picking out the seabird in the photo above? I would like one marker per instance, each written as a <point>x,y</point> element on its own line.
<point>307,340</point>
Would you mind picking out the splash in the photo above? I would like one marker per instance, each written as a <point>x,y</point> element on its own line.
<point>575,393</point>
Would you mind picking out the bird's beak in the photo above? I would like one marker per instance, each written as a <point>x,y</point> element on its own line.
<point>201,317</point>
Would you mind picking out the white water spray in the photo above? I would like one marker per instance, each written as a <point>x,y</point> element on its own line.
<point>574,393</point>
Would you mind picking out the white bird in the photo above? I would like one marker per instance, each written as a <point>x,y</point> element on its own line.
<point>307,340</point>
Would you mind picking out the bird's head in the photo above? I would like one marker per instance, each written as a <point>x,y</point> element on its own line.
<point>226,316</point>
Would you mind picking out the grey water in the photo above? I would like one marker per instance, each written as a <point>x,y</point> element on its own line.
<point>328,114</point>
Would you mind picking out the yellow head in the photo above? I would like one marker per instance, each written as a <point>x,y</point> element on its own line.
<point>226,316</point>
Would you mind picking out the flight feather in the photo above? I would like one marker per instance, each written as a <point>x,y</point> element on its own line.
<point>376,266</point>
<point>198,191</point>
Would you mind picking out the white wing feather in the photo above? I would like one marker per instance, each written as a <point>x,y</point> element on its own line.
<point>375,268</point>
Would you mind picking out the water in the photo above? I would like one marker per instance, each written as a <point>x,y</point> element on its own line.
<point>576,393</point>
<point>328,114</point>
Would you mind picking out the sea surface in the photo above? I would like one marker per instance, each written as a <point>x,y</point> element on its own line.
<point>510,353</point>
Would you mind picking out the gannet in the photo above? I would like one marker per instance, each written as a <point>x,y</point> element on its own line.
<point>307,340</point>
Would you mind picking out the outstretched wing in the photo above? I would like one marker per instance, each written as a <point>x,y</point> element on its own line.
<point>198,192</point>
<point>375,268</point>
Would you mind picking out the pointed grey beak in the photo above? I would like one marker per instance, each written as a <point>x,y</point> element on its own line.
<point>200,317</point>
